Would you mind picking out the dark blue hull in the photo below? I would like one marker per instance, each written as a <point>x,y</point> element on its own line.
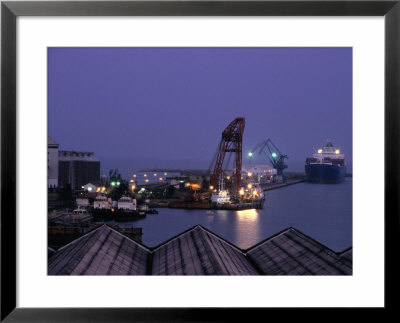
<point>323,173</point>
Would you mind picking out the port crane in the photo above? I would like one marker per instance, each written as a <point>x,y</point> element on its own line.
<point>276,158</point>
<point>231,141</point>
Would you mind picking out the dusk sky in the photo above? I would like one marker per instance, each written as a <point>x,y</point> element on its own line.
<point>166,107</point>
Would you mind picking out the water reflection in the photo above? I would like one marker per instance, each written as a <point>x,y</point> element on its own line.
<point>247,229</point>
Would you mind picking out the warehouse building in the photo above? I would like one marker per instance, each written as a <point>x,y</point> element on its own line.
<point>77,169</point>
<point>197,251</point>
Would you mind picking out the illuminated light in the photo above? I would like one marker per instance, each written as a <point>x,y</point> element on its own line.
<point>211,187</point>
<point>155,174</point>
<point>319,151</point>
<point>249,186</point>
<point>118,183</point>
<point>146,180</point>
<point>112,183</point>
<point>249,174</point>
<point>187,184</point>
<point>98,189</point>
<point>160,178</point>
<point>250,154</point>
<point>89,189</point>
<point>83,187</point>
<point>165,174</point>
<point>145,175</point>
<point>254,193</point>
<point>337,151</point>
<point>195,186</point>
<point>273,155</point>
<point>241,192</point>
<point>131,181</point>
<point>133,187</point>
<point>228,177</point>
<point>134,175</point>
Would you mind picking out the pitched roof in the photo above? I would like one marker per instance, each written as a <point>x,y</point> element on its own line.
<point>197,251</point>
<point>291,252</point>
<point>103,251</point>
<point>51,142</point>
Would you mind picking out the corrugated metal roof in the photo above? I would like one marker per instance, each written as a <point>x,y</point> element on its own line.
<point>292,253</point>
<point>197,251</point>
<point>103,251</point>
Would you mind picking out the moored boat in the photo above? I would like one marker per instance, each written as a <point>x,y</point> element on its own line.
<point>327,165</point>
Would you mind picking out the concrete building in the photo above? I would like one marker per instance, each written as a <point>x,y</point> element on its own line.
<point>52,163</point>
<point>77,169</point>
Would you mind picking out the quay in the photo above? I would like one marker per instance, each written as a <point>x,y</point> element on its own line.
<point>272,186</point>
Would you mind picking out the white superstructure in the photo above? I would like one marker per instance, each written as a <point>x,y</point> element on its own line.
<point>101,202</point>
<point>327,155</point>
<point>126,203</point>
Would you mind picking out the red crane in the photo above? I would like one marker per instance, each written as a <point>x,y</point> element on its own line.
<point>231,142</point>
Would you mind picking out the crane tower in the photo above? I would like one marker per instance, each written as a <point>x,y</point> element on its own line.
<point>231,142</point>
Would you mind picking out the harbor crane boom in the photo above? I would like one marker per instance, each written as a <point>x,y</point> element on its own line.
<point>231,141</point>
<point>276,158</point>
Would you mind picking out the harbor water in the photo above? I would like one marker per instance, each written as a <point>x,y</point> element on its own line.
<point>321,211</point>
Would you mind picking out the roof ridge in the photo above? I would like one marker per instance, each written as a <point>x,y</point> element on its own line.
<point>128,237</point>
<point>82,236</point>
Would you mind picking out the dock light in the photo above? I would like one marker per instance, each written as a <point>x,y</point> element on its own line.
<point>249,186</point>
<point>273,155</point>
<point>337,151</point>
<point>319,151</point>
<point>250,154</point>
<point>241,192</point>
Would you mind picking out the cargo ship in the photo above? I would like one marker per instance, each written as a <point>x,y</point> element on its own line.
<point>327,165</point>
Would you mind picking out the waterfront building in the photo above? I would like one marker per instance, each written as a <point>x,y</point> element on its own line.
<point>89,187</point>
<point>77,169</point>
<point>52,163</point>
<point>258,170</point>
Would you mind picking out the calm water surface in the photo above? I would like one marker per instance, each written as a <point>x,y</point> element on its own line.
<point>322,211</point>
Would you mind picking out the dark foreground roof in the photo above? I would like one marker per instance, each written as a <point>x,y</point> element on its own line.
<point>197,251</point>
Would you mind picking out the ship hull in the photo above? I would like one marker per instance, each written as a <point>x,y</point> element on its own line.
<point>324,173</point>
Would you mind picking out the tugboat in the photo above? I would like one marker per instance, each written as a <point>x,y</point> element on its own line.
<point>327,165</point>
<point>101,206</point>
<point>126,210</point>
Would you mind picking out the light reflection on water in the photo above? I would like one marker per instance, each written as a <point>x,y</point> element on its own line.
<point>324,212</point>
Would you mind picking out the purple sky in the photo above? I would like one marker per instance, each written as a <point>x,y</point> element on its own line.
<point>166,107</point>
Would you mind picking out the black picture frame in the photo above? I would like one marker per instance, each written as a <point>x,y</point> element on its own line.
<point>10,10</point>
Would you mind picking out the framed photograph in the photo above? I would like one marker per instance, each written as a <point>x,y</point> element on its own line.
<point>196,158</point>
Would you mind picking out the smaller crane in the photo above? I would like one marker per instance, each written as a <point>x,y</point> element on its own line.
<point>276,158</point>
